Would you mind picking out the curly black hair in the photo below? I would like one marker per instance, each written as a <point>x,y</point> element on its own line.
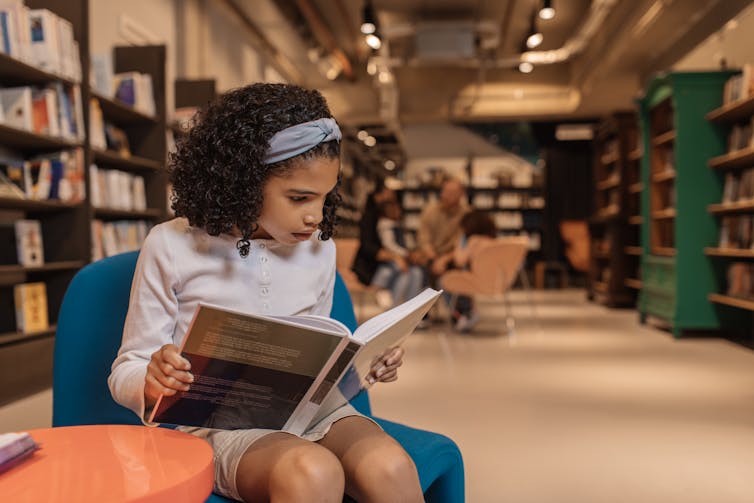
<point>217,170</point>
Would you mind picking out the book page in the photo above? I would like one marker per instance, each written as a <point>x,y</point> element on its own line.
<point>372,327</point>
<point>249,371</point>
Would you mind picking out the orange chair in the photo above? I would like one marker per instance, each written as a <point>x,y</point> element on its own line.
<point>492,272</point>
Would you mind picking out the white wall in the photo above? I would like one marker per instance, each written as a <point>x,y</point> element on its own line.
<point>134,22</point>
<point>215,43</point>
<point>732,42</point>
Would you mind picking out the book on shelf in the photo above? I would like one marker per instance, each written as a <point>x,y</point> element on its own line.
<point>284,373</point>
<point>737,232</point>
<point>112,238</point>
<point>29,246</point>
<point>57,176</point>
<point>115,189</point>
<point>31,307</point>
<point>9,187</point>
<point>14,448</point>
<point>740,283</point>
<point>16,106</point>
<point>730,189</point>
<point>740,86</point>
<point>135,90</point>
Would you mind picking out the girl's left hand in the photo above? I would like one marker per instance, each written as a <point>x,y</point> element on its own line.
<point>385,368</point>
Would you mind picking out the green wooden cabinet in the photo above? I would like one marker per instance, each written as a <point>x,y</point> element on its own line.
<point>678,187</point>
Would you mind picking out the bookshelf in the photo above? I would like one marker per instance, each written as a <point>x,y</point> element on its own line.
<point>26,358</point>
<point>613,270</point>
<point>147,144</point>
<point>677,141</point>
<point>733,253</point>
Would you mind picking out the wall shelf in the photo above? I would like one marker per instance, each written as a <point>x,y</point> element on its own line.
<point>732,112</point>
<point>729,252</point>
<point>727,300</point>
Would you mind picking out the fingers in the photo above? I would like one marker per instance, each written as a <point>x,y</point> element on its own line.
<point>168,371</point>
<point>385,369</point>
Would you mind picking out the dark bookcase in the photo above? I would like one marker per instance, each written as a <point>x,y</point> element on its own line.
<point>614,269</point>
<point>26,359</point>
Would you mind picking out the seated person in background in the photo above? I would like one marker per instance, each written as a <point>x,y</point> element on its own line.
<point>439,227</point>
<point>478,231</point>
<point>370,252</point>
<point>397,272</point>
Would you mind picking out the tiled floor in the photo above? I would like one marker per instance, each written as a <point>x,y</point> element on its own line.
<point>584,406</point>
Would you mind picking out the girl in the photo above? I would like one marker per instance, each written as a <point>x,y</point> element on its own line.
<point>255,193</point>
<point>397,271</point>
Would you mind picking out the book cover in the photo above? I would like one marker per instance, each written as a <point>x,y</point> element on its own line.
<point>31,307</point>
<point>17,108</point>
<point>253,371</point>
<point>29,242</point>
<point>14,448</point>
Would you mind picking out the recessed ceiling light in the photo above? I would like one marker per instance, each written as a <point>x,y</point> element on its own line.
<point>525,67</point>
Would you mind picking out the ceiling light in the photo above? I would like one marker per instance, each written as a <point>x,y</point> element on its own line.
<point>535,36</point>
<point>525,67</point>
<point>390,165</point>
<point>371,67</point>
<point>547,12</point>
<point>368,20</point>
<point>574,132</point>
<point>370,141</point>
<point>385,77</point>
<point>534,39</point>
<point>362,135</point>
<point>373,41</point>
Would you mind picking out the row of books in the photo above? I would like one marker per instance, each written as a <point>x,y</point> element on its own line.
<point>739,186</point>
<point>512,200</point>
<point>39,38</point>
<point>741,279</point>
<point>104,135</point>
<point>112,238</point>
<point>27,236</point>
<point>57,175</point>
<point>135,89</point>
<point>54,110</point>
<point>736,232</point>
<point>740,86</point>
<point>740,136</point>
<point>115,189</point>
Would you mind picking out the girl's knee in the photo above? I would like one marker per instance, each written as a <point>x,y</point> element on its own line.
<point>306,471</point>
<point>394,467</point>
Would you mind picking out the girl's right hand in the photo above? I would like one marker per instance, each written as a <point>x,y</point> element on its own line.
<point>167,373</point>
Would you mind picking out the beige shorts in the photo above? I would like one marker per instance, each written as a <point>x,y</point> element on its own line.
<point>230,445</point>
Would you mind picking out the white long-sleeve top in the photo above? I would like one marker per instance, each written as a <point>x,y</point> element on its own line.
<point>180,266</point>
<point>386,231</point>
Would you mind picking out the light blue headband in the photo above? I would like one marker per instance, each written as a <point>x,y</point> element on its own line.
<point>297,139</point>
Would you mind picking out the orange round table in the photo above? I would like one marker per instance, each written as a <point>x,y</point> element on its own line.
<point>111,463</point>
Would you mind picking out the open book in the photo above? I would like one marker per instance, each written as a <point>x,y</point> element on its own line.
<point>280,372</point>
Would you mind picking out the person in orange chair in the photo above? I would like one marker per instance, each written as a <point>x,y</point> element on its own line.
<point>255,194</point>
<point>478,230</point>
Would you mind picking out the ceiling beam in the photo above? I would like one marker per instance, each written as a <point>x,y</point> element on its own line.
<point>325,36</point>
<point>279,60</point>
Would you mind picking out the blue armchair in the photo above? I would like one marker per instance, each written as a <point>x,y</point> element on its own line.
<point>88,336</point>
